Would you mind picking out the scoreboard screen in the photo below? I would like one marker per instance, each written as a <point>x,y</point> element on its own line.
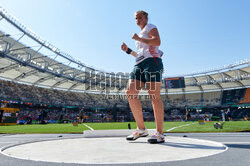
<point>177,82</point>
<point>8,116</point>
<point>233,96</point>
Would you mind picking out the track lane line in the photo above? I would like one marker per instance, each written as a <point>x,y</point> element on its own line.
<point>89,127</point>
<point>179,127</point>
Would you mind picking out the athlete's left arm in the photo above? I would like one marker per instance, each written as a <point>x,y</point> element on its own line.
<point>153,40</point>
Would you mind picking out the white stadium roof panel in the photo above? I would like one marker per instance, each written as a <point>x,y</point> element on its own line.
<point>65,85</point>
<point>23,69</point>
<point>30,79</point>
<point>10,74</point>
<point>247,69</point>
<point>232,73</point>
<point>42,75</point>
<point>201,78</point>
<point>5,62</point>
<point>217,77</point>
<point>48,83</point>
<point>192,88</point>
<point>210,87</point>
<point>189,80</point>
<point>229,85</point>
<point>79,87</point>
<point>245,82</point>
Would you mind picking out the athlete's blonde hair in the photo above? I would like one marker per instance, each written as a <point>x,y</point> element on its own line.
<point>142,12</point>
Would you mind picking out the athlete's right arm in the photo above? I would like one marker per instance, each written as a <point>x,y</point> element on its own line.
<point>125,49</point>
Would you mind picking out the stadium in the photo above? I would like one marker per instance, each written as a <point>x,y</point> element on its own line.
<point>49,86</point>
<point>44,77</point>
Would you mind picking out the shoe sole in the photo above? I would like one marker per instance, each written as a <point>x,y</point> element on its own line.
<point>155,141</point>
<point>131,139</point>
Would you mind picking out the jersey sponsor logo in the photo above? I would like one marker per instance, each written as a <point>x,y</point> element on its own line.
<point>139,58</point>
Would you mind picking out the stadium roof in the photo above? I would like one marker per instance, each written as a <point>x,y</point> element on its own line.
<point>26,58</point>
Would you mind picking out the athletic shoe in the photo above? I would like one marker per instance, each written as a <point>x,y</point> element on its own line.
<point>137,134</point>
<point>156,138</point>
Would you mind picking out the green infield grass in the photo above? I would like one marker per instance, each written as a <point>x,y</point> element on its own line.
<point>234,126</point>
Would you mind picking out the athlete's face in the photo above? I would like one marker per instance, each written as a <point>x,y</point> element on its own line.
<point>141,20</point>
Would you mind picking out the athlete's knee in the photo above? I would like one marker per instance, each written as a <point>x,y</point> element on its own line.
<point>131,94</point>
<point>154,95</point>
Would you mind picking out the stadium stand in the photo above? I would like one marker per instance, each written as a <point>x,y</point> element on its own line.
<point>212,98</point>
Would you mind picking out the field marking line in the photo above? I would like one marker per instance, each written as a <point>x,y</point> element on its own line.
<point>179,126</point>
<point>235,142</point>
<point>89,127</point>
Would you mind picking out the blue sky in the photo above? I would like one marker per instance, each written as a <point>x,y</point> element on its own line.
<point>195,34</point>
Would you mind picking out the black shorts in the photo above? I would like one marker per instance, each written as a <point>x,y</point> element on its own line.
<point>149,70</point>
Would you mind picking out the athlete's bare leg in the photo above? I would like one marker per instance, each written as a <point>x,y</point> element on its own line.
<point>154,92</point>
<point>134,87</point>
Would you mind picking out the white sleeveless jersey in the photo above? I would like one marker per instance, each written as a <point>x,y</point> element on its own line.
<point>145,51</point>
